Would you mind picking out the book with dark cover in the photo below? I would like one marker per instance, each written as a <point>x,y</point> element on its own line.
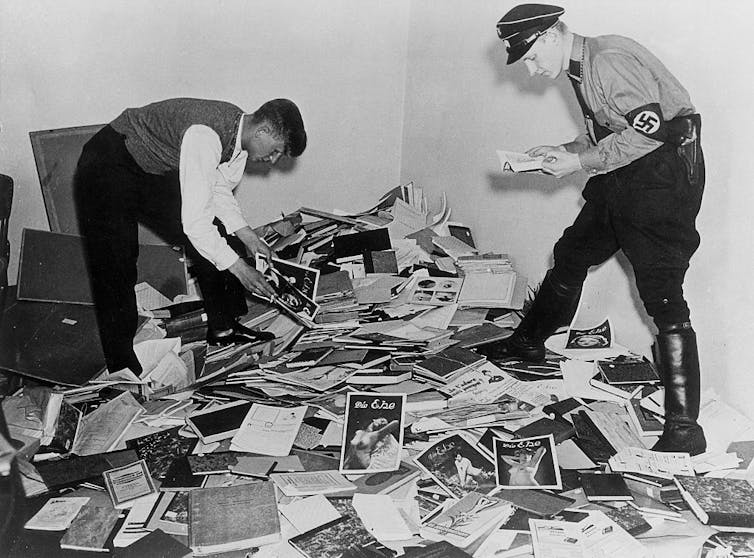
<point>540,502</point>
<point>174,326</point>
<point>217,423</point>
<point>561,407</point>
<point>361,242</point>
<point>76,469</point>
<point>232,518</point>
<point>179,475</point>
<point>722,502</point>
<point>441,549</point>
<point>66,426</point>
<point>605,486</point>
<point>91,529</point>
<point>335,538</point>
<point>644,421</point>
<point>178,309</point>
<point>481,334</point>
<point>628,370</point>
<point>159,449</point>
<point>629,518</point>
<point>157,544</point>
<point>443,366</point>
<point>590,440</point>
<point>560,429</point>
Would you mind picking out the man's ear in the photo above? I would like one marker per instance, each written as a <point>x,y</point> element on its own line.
<point>263,128</point>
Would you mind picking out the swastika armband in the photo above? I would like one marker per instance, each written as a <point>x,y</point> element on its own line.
<point>648,121</point>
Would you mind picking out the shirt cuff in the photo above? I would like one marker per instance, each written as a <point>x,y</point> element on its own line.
<point>225,258</point>
<point>592,161</point>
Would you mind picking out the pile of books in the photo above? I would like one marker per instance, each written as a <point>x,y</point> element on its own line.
<point>370,424</point>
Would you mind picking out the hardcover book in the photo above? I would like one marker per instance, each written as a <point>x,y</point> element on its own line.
<point>722,502</point>
<point>628,370</point>
<point>159,449</point>
<point>156,544</point>
<point>56,514</point>
<point>337,538</point>
<point>605,486</point>
<point>76,469</point>
<point>229,518</point>
<point>219,422</point>
<point>539,502</point>
<point>91,529</point>
<point>560,429</point>
<point>445,365</point>
<point>645,422</point>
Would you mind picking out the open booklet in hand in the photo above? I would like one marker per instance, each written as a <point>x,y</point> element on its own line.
<point>519,162</point>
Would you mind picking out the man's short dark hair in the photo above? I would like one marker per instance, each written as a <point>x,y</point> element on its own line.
<point>286,122</point>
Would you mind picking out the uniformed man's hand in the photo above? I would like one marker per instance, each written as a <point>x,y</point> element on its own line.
<point>560,163</point>
<point>251,279</point>
<point>543,150</point>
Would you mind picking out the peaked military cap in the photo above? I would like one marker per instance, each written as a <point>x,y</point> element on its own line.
<point>523,25</point>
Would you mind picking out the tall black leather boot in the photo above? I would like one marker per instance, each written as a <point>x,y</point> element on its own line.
<point>553,307</point>
<point>678,362</point>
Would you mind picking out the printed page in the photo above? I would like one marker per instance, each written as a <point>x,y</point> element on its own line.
<point>269,430</point>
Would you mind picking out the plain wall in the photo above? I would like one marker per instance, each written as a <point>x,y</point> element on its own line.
<point>463,103</point>
<point>82,62</point>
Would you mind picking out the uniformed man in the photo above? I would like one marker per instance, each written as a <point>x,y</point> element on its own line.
<point>173,165</point>
<point>642,151</point>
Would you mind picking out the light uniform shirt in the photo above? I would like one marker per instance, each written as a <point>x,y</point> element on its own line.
<point>618,77</point>
<point>207,192</point>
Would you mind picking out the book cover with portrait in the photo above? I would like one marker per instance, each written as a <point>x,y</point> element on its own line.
<point>527,463</point>
<point>373,432</point>
<point>458,466</point>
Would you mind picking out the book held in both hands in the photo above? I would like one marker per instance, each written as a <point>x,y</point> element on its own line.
<point>511,161</point>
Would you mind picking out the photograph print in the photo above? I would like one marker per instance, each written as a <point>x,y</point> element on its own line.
<point>458,467</point>
<point>295,285</point>
<point>373,432</point>
<point>527,463</point>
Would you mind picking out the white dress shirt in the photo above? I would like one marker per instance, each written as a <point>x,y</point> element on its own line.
<point>207,192</point>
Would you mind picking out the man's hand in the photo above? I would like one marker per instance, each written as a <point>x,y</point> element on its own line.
<point>255,244</point>
<point>251,279</point>
<point>543,150</point>
<point>560,163</point>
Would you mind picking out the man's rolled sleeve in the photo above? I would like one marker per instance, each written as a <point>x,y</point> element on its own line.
<point>200,155</point>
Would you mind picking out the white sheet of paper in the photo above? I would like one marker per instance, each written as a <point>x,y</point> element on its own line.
<point>309,513</point>
<point>576,376</point>
<point>268,430</point>
<point>381,517</point>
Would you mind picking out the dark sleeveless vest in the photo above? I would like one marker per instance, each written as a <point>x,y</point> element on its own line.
<point>154,132</point>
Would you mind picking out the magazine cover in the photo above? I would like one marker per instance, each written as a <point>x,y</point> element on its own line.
<point>295,285</point>
<point>527,463</point>
<point>373,432</point>
<point>598,337</point>
<point>467,519</point>
<point>458,467</point>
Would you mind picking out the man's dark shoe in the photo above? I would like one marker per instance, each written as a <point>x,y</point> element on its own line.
<point>238,334</point>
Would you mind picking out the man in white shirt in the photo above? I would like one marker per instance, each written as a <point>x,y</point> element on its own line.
<point>173,165</point>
